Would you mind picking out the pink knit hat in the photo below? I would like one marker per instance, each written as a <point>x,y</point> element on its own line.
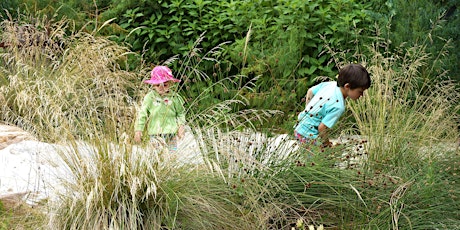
<point>161,74</point>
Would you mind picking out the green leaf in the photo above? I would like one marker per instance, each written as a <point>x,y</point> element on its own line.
<point>160,39</point>
<point>311,70</point>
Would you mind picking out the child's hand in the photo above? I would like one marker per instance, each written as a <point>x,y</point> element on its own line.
<point>181,132</point>
<point>326,144</point>
<point>137,136</point>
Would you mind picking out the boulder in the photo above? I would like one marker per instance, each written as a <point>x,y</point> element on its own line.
<point>12,134</point>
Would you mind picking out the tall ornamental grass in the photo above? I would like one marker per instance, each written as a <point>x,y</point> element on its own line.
<point>405,110</point>
<point>59,85</point>
<point>120,187</point>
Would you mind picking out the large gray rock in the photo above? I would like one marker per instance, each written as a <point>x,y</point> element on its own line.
<point>11,134</point>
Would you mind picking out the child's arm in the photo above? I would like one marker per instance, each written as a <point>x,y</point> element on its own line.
<point>308,97</point>
<point>141,118</point>
<point>181,132</point>
<point>180,116</point>
<point>137,136</point>
<point>323,134</point>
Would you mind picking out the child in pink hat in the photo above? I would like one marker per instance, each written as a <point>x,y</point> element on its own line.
<point>162,112</point>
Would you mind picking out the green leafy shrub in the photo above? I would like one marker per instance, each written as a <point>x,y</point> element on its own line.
<point>162,29</point>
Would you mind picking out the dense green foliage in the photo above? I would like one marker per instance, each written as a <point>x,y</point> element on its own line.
<point>8,5</point>
<point>162,29</point>
<point>433,24</point>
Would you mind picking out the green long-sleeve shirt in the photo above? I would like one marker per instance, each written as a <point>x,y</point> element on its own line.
<point>163,114</point>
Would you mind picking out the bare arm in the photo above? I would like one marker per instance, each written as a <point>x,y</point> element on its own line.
<point>181,132</point>
<point>323,134</point>
<point>137,136</point>
<point>308,97</point>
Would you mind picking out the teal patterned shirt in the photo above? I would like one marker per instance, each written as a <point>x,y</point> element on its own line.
<point>326,106</point>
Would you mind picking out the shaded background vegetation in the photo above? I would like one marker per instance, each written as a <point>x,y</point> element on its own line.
<point>281,42</point>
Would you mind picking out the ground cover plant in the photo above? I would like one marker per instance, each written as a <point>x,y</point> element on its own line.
<point>79,95</point>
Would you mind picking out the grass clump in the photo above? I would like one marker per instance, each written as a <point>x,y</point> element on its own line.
<point>57,85</point>
<point>405,109</point>
<point>124,188</point>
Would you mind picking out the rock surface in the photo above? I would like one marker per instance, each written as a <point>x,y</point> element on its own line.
<point>11,134</point>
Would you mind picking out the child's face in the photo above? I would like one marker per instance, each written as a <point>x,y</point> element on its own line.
<point>355,94</point>
<point>163,88</point>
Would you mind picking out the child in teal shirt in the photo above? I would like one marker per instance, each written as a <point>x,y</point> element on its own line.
<point>162,110</point>
<point>325,104</point>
